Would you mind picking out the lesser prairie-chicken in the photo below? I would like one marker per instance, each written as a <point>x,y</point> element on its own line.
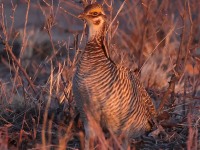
<point>112,94</point>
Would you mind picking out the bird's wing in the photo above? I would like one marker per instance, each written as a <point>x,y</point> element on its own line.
<point>151,111</point>
<point>142,93</point>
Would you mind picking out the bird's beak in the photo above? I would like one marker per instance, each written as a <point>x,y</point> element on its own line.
<point>81,16</point>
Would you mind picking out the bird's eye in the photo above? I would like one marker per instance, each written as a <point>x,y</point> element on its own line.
<point>95,13</point>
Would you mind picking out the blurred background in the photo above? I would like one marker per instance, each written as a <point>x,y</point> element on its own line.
<point>40,41</point>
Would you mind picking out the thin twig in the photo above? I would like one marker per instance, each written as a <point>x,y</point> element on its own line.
<point>24,41</point>
<point>179,69</point>
<point>119,10</point>
<point>8,48</point>
<point>146,22</point>
<point>168,34</point>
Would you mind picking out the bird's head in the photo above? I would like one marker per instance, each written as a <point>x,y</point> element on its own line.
<point>95,17</point>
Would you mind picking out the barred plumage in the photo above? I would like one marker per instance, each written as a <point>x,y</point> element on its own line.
<point>109,91</point>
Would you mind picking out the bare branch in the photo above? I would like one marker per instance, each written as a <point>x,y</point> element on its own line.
<point>8,48</point>
<point>179,68</point>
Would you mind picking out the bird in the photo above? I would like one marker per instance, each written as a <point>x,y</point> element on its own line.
<point>111,93</point>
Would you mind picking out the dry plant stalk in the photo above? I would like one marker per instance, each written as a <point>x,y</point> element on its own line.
<point>44,143</point>
<point>192,140</point>
<point>8,48</point>
<point>64,139</point>
<point>179,69</point>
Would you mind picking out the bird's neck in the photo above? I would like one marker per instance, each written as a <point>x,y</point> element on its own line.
<point>95,45</point>
<point>96,32</point>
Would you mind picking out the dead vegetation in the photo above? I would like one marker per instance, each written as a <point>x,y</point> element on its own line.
<point>40,42</point>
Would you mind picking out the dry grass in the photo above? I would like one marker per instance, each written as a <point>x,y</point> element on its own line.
<point>40,42</point>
